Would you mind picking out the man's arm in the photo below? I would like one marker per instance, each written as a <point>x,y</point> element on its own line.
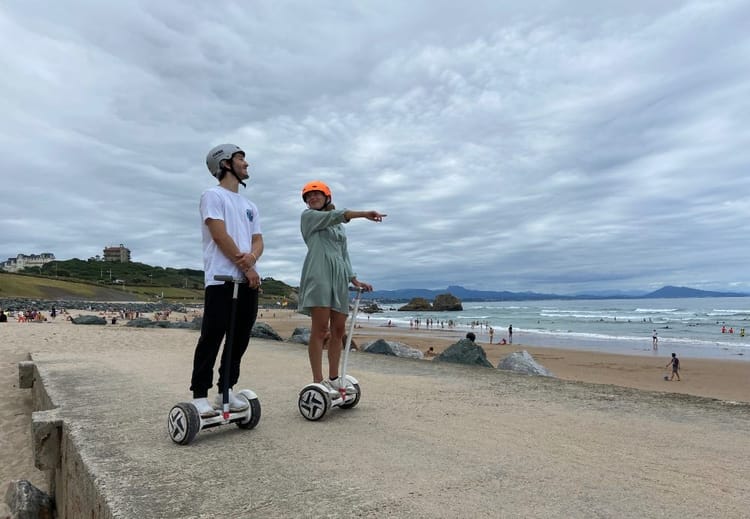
<point>219,234</point>
<point>248,260</point>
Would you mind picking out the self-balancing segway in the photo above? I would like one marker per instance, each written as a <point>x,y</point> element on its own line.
<point>185,421</point>
<point>316,399</point>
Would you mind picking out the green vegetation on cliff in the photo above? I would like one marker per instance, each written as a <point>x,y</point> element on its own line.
<point>110,281</point>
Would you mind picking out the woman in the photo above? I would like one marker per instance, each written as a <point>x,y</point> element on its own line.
<point>326,275</point>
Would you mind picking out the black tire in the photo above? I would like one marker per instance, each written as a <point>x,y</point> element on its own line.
<point>254,413</point>
<point>354,402</point>
<point>313,403</point>
<point>183,423</point>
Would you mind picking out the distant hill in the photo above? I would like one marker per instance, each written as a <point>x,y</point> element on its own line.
<point>406,294</point>
<point>669,292</point>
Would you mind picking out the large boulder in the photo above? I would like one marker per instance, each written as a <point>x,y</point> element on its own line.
<point>88,319</point>
<point>370,307</point>
<point>300,335</point>
<point>264,331</point>
<point>396,349</point>
<point>27,501</point>
<point>141,322</point>
<point>523,362</point>
<point>464,351</point>
<point>447,302</point>
<point>145,322</point>
<point>418,304</point>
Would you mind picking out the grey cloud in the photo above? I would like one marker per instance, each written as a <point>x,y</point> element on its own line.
<point>548,146</point>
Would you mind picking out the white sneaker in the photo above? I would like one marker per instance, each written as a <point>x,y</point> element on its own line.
<point>204,408</point>
<point>337,384</point>
<point>235,403</point>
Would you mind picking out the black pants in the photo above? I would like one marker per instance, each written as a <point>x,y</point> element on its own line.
<point>217,314</point>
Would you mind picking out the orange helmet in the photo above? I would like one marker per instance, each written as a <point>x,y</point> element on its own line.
<point>316,185</point>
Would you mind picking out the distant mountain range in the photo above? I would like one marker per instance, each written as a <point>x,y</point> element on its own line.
<point>464,294</point>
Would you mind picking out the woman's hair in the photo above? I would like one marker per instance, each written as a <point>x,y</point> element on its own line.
<point>329,207</point>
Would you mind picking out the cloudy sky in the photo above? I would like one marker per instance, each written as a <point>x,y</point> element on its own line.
<point>552,146</point>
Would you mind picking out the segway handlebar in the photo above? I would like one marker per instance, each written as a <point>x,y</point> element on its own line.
<point>224,277</point>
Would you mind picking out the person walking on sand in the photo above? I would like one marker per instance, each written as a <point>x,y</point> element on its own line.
<point>675,363</point>
<point>326,274</point>
<point>232,244</point>
<point>654,341</point>
<point>510,334</point>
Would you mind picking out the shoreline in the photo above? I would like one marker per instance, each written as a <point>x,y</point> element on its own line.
<point>724,379</point>
<point>721,378</point>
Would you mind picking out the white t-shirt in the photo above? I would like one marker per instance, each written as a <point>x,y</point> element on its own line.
<point>242,221</point>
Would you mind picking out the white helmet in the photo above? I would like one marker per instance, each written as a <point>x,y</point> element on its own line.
<point>219,153</point>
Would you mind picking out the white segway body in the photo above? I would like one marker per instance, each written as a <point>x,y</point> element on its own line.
<point>316,399</point>
<point>184,421</point>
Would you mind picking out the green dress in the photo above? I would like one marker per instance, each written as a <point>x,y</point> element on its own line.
<point>327,270</point>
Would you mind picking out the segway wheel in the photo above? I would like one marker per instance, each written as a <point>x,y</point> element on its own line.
<point>312,403</point>
<point>254,417</point>
<point>183,423</point>
<point>354,402</point>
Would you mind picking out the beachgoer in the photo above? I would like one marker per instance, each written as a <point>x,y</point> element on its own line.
<point>232,244</point>
<point>3,317</point>
<point>510,334</point>
<point>430,352</point>
<point>471,336</point>
<point>675,363</point>
<point>655,341</point>
<point>326,274</point>
<point>492,334</point>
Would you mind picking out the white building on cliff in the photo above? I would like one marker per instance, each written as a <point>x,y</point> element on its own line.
<point>23,261</point>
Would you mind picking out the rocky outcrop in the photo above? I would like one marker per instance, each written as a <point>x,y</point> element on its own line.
<point>395,349</point>
<point>523,362</point>
<point>370,307</point>
<point>418,304</point>
<point>47,305</point>
<point>300,335</point>
<point>442,303</point>
<point>144,322</point>
<point>264,331</point>
<point>27,501</point>
<point>88,319</point>
<point>464,351</point>
<point>446,303</point>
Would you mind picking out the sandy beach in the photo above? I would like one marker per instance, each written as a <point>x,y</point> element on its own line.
<point>725,380</point>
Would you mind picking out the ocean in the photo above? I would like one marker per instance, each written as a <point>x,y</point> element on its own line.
<point>689,327</point>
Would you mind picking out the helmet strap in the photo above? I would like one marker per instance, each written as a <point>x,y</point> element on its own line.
<point>224,169</point>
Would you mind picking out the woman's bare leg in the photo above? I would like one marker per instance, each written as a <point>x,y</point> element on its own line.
<point>319,328</point>
<point>338,326</point>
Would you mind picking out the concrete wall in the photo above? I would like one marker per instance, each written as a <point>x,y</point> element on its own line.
<point>70,481</point>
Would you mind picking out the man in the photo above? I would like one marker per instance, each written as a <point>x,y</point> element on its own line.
<point>675,363</point>
<point>510,334</point>
<point>232,244</point>
<point>654,341</point>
